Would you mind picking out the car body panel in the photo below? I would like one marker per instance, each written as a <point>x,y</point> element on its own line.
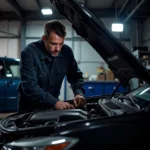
<point>8,85</point>
<point>2,93</point>
<point>11,94</point>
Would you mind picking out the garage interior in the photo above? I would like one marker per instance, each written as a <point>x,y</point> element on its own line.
<point>21,22</point>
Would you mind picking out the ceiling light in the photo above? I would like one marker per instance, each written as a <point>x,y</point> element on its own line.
<point>117,27</point>
<point>46,11</point>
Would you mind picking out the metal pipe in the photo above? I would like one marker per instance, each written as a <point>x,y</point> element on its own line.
<point>147,40</point>
<point>16,8</point>
<point>114,3</point>
<point>67,38</point>
<point>125,4</point>
<point>39,4</point>
<point>9,37</point>
<point>8,33</point>
<point>23,35</point>
<point>86,2</point>
<point>134,10</point>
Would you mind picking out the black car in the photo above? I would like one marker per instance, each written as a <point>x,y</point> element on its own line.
<point>119,121</point>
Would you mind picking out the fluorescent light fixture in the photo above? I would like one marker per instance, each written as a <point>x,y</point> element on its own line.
<point>46,11</point>
<point>117,27</point>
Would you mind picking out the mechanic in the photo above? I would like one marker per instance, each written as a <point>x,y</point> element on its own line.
<point>43,66</point>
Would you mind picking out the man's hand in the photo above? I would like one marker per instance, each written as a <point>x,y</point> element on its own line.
<point>63,105</point>
<point>79,100</point>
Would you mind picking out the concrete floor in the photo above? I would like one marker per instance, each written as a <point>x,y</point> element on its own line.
<point>3,115</point>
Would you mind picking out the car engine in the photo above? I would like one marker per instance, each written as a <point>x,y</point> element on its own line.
<point>43,123</point>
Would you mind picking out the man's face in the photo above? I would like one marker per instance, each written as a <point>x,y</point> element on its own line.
<point>53,44</point>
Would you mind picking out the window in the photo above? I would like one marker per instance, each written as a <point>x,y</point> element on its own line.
<point>12,69</point>
<point>15,70</point>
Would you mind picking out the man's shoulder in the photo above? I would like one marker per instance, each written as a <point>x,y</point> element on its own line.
<point>66,46</point>
<point>33,46</point>
<point>31,50</point>
<point>66,49</point>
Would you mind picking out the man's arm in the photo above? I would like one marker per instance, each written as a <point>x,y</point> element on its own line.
<point>29,80</point>
<point>75,78</point>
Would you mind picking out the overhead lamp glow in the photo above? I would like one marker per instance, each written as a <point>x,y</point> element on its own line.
<point>46,11</point>
<point>117,27</point>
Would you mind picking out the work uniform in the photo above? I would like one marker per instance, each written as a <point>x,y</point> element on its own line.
<point>42,76</point>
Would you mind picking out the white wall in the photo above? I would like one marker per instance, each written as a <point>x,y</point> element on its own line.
<point>9,46</point>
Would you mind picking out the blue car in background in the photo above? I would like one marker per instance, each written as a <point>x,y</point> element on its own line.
<point>9,80</point>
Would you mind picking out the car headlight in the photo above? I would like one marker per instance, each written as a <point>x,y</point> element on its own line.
<point>42,143</point>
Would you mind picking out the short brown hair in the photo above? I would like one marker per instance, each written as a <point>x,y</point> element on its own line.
<point>54,26</point>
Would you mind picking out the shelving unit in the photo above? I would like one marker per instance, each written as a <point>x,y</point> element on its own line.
<point>144,57</point>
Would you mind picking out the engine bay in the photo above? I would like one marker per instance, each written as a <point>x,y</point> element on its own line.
<point>46,122</point>
<point>95,107</point>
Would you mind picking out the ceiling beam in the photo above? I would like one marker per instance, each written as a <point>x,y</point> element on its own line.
<point>39,4</point>
<point>9,37</point>
<point>16,8</point>
<point>114,4</point>
<point>8,33</point>
<point>123,7</point>
<point>86,2</point>
<point>37,15</point>
<point>104,13</point>
<point>134,11</point>
<point>9,16</point>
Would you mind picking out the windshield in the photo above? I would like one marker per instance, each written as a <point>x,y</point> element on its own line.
<point>142,93</point>
<point>12,69</point>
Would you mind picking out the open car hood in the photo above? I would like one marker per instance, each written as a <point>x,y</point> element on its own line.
<point>120,60</point>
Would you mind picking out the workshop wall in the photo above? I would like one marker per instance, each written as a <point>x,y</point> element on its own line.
<point>85,55</point>
<point>146,33</point>
<point>9,38</point>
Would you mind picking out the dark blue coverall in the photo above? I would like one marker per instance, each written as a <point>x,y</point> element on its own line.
<point>42,76</point>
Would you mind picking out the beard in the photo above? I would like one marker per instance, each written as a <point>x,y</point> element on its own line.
<point>55,53</point>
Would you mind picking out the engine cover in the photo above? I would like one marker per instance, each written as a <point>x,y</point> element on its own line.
<point>58,115</point>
